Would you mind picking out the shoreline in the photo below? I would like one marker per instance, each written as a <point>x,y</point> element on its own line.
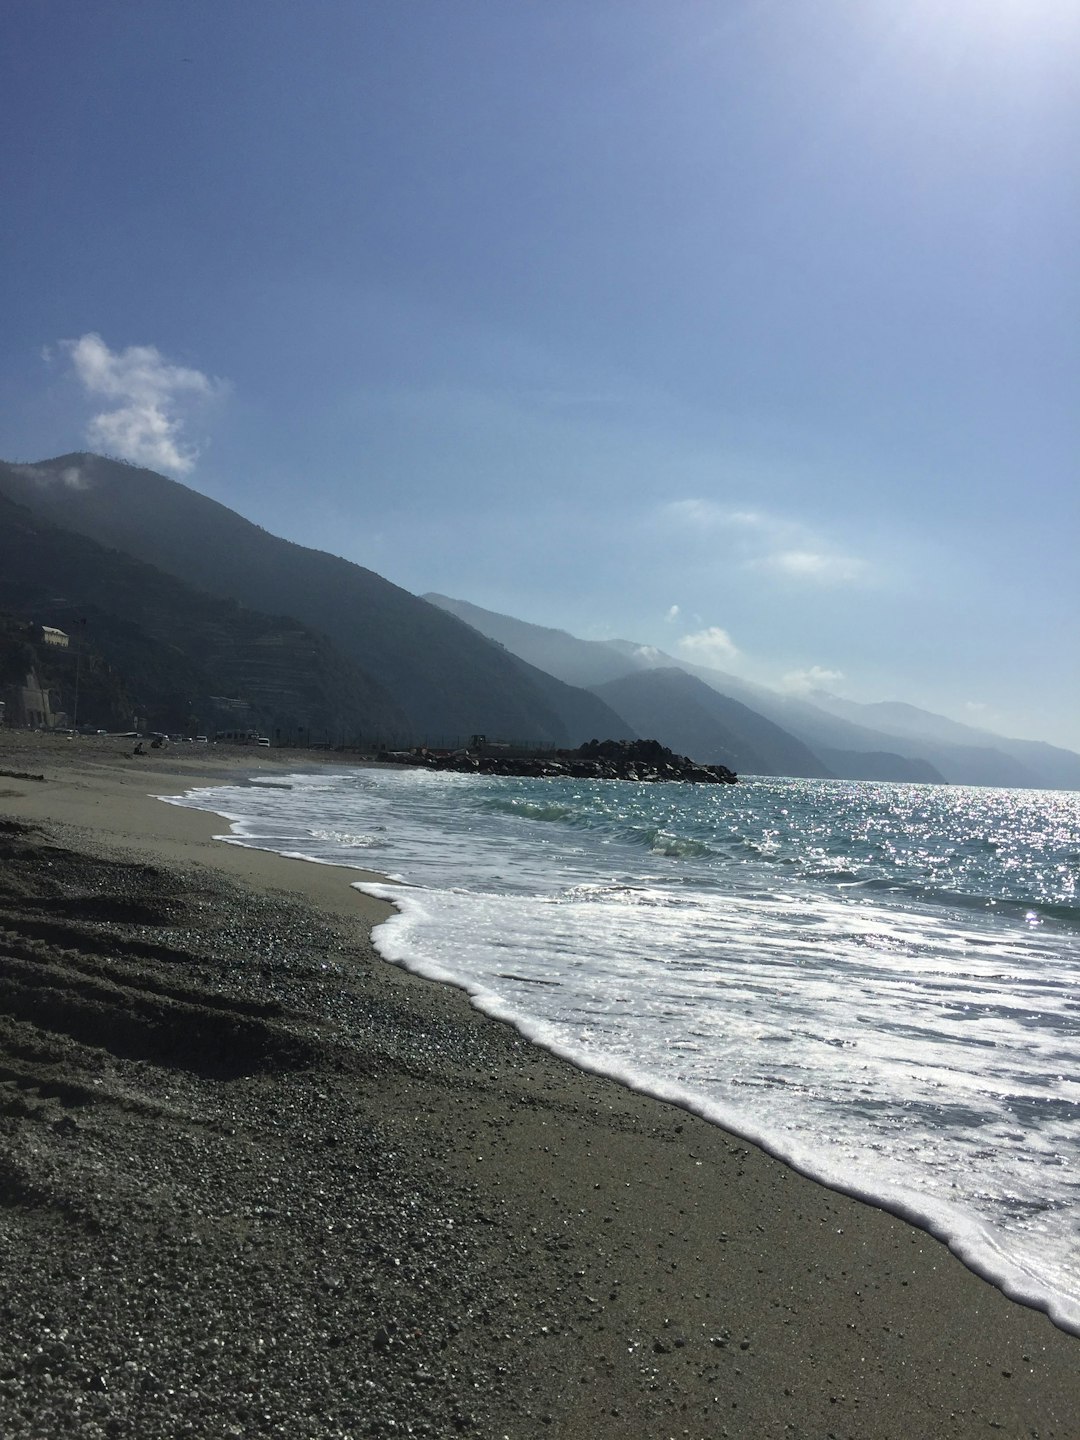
<point>623,1268</point>
<point>961,1231</point>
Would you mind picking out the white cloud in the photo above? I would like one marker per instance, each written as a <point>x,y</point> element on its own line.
<point>812,678</point>
<point>712,646</point>
<point>700,514</point>
<point>769,543</point>
<point>672,615</point>
<point>708,515</point>
<point>71,476</point>
<point>153,401</point>
<point>822,567</point>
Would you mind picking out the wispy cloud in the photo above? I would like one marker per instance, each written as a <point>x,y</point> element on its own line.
<point>823,567</point>
<point>711,646</point>
<point>697,513</point>
<point>812,678</point>
<point>769,543</point>
<point>672,614</point>
<point>152,401</point>
<point>71,476</point>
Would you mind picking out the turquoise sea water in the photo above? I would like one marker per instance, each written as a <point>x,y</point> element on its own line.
<point>879,983</point>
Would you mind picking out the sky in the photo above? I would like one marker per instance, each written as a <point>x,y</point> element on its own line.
<point>746,329</point>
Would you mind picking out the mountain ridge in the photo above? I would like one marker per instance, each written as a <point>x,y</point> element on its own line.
<point>447,679</point>
<point>849,747</point>
<point>189,659</point>
<point>696,720</point>
<point>904,719</point>
<point>445,669</point>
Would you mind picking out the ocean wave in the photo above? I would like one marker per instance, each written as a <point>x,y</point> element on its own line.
<point>543,812</point>
<point>662,842</point>
<point>820,969</point>
<point>350,841</point>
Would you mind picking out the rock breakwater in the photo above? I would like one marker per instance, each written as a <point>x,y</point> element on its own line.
<point>637,760</point>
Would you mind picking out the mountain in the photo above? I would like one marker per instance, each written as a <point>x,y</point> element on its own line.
<point>187,659</point>
<point>827,733</point>
<point>693,719</point>
<point>584,714</point>
<point>1042,764</point>
<point>587,663</point>
<point>366,655</point>
<point>879,765</point>
<point>891,740</point>
<point>444,679</point>
<point>760,729</point>
<point>578,662</point>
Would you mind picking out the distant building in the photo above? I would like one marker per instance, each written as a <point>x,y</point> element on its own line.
<point>32,706</point>
<point>52,636</point>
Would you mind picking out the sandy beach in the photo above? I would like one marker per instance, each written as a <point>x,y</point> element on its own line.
<point>255,1181</point>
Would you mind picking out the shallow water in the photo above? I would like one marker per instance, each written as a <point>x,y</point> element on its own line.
<point>879,983</point>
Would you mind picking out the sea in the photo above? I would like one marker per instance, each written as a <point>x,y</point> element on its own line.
<point>877,983</point>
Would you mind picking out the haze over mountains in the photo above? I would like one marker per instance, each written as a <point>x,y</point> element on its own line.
<point>190,601</point>
<point>868,742</point>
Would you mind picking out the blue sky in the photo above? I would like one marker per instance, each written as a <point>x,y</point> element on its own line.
<point>744,329</point>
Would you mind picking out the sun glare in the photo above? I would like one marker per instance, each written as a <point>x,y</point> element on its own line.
<point>1023,50</point>
<point>1025,25</point>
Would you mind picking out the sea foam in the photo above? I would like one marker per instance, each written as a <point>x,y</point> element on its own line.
<point>875,983</point>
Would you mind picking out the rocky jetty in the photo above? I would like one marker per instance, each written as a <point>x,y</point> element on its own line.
<point>639,760</point>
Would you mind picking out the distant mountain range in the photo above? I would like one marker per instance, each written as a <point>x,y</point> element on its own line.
<point>822,734</point>
<point>202,613</point>
<point>1050,764</point>
<point>700,721</point>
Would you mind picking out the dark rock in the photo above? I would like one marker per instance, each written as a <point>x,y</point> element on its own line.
<point>640,761</point>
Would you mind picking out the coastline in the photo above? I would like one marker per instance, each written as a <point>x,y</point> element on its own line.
<point>532,1251</point>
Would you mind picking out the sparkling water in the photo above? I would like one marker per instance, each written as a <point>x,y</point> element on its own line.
<point>879,983</point>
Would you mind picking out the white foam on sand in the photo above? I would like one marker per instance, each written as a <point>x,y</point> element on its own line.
<point>918,1056</point>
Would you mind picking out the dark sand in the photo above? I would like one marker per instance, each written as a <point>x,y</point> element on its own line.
<point>254,1181</point>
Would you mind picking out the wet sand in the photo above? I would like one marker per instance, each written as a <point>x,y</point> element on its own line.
<point>255,1181</point>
